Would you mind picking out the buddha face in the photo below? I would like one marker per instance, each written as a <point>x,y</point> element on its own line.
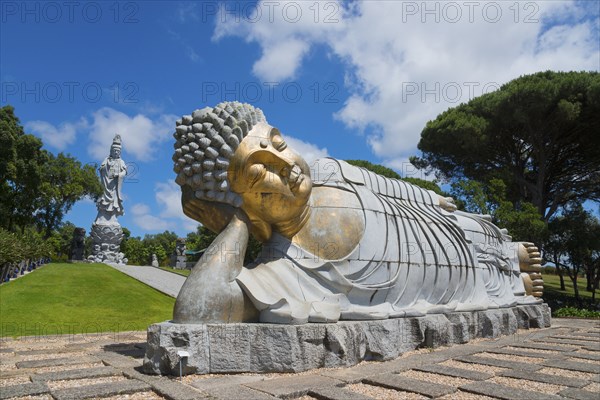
<point>115,152</point>
<point>272,179</point>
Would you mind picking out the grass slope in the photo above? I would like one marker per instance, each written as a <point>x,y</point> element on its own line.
<point>552,284</point>
<point>79,298</point>
<point>184,272</point>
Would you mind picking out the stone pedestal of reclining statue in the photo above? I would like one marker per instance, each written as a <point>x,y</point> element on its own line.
<point>340,243</point>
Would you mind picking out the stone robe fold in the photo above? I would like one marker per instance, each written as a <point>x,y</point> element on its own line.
<point>413,258</point>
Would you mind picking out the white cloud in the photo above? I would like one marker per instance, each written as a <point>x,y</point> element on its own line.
<point>285,31</point>
<point>143,218</point>
<point>57,137</point>
<point>404,67</point>
<point>308,151</point>
<point>280,60</point>
<point>140,134</point>
<point>168,197</point>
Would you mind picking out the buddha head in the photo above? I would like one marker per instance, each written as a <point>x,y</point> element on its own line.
<point>229,159</point>
<point>115,148</point>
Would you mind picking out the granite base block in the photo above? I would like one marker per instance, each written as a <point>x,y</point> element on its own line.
<point>257,347</point>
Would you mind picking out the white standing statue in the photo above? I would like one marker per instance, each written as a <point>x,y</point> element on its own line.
<point>107,233</point>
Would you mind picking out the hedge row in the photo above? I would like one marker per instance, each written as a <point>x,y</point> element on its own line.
<point>15,247</point>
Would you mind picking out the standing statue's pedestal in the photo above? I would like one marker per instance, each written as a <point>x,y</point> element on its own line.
<point>106,243</point>
<point>258,347</point>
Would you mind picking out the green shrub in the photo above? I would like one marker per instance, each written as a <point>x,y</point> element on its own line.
<point>576,312</point>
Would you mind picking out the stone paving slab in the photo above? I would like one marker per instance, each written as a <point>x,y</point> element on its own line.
<point>587,356</point>
<point>587,334</point>
<point>579,394</point>
<point>539,346</point>
<point>505,392</point>
<point>83,373</point>
<point>398,382</point>
<point>526,353</point>
<point>6,350</point>
<point>337,393</point>
<point>225,380</point>
<point>46,351</point>
<point>591,348</point>
<point>293,386</point>
<point>455,372</point>
<point>118,360</point>
<point>101,390</point>
<point>572,342</point>
<point>584,339</point>
<point>355,374</point>
<point>573,366</point>
<point>498,363</point>
<point>238,393</point>
<point>56,362</point>
<point>27,389</point>
<point>545,378</point>
<point>166,387</point>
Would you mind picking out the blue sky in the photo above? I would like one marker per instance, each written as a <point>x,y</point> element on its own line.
<point>347,79</point>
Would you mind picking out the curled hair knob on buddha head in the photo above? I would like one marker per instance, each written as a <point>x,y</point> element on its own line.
<point>205,143</point>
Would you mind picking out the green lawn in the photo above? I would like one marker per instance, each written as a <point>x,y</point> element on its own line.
<point>563,303</point>
<point>79,298</point>
<point>552,284</point>
<point>184,272</point>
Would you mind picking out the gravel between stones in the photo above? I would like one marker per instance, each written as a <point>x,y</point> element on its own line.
<point>73,366</point>
<point>473,367</point>
<point>50,356</point>
<point>587,351</point>
<point>429,377</point>
<point>380,393</point>
<point>54,385</point>
<point>583,360</point>
<point>592,387</point>
<point>134,396</point>
<point>535,350</point>
<point>460,395</point>
<point>508,357</point>
<point>527,385</point>
<point>17,380</point>
<point>566,373</point>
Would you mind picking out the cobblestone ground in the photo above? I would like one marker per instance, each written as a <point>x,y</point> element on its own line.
<point>553,363</point>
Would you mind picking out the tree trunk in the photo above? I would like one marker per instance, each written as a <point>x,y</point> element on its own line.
<point>576,289</point>
<point>589,276</point>
<point>562,278</point>
<point>596,283</point>
<point>560,272</point>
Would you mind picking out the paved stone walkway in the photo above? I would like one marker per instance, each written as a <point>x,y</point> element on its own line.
<point>163,281</point>
<point>552,363</point>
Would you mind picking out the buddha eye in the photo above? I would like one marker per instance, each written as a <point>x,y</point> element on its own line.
<point>277,141</point>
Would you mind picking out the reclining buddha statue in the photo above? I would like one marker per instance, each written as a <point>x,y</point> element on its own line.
<point>339,242</point>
